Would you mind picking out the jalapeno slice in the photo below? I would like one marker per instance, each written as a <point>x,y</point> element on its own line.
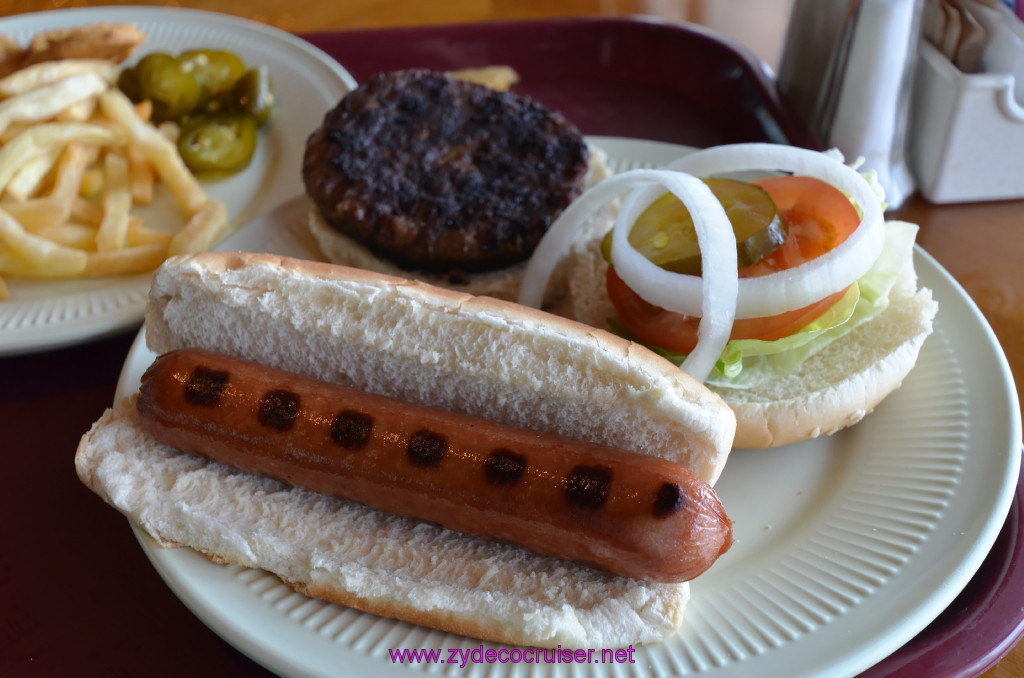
<point>160,78</point>
<point>216,71</point>
<point>254,94</point>
<point>218,143</point>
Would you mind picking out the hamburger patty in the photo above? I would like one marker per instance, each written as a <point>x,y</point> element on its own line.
<point>437,174</point>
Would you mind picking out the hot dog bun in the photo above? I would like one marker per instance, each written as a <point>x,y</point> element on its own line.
<point>346,553</point>
<point>838,386</point>
<point>411,341</point>
<point>415,342</point>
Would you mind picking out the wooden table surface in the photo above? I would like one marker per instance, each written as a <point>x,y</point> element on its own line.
<point>981,245</point>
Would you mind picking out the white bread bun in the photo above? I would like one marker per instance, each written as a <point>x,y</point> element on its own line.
<point>504,283</point>
<point>411,341</point>
<point>422,344</point>
<point>831,390</point>
<point>359,557</point>
<point>340,249</point>
<point>843,382</point>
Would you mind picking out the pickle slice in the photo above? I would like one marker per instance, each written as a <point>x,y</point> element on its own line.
<point>664,232</point>
<point>216,71</point>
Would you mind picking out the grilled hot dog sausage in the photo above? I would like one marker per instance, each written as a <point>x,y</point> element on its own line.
<point>623,512</point>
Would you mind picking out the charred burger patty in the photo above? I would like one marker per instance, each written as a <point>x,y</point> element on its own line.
<point>437,174</point>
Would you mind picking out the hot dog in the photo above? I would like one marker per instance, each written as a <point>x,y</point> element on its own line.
<point>640,517</point>
<point>422,346</point>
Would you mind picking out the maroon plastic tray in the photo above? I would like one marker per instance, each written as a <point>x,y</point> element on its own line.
<point>632,78</point>
<point>79,597</point>
<point>681,83</point>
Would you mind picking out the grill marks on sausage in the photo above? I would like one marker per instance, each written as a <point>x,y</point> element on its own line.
<point>584,486</point>
<point>504,467</point>
<point>587,486</point>
<point>205,387</point>
<point>668,500</point>
<point>426,449</point>
<point>278,409</point>
<point>351,430</point>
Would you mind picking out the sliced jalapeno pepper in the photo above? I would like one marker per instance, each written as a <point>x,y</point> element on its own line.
<point>216,71</point>
<point>254,93</point>
<point>218,143</point>
<point>173,91</point>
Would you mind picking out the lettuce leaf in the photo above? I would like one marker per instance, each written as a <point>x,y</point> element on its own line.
<point>866,299</point>
<point>730,364</point>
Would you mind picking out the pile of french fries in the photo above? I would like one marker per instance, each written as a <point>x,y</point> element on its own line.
<point>77,158</point>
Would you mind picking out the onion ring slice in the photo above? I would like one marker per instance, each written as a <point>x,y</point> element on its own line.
<point>717,291</point>
<point>811,281</point>
<point>556,240</point>
<point>717,243</point>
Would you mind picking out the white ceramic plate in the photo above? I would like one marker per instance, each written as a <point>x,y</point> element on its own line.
<point>308,82</point>
<point>846,547</point>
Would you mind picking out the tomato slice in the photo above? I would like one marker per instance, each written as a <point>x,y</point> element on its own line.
<point>678,332</point>
<point>819,217</point>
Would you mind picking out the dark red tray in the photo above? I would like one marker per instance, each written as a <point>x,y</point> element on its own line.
<point>79,595</point>
<point>681,83</point>
<point>632,78</point>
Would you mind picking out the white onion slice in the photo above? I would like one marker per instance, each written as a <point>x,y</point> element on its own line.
<point>816,279</point>
<point>658,286</point>
<point>717,244</point>
<point>556,240</point>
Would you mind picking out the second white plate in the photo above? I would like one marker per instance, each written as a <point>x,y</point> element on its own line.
<point>42,314</point>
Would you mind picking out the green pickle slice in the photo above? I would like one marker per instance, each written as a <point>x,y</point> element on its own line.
<point>160,78</point>
<point>254,94</point>
<point>664,232</point>
<point>216,71</point>
<point>218,143</point>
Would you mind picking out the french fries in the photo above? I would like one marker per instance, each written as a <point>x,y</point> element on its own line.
<point>157,149</point>
<point>49,100</point>
<point>77,158</point>
<point>117,203</point>
<point>39,75</point>
<point>36,251</point>
<point>202,231</point>
<point>499,78</point>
